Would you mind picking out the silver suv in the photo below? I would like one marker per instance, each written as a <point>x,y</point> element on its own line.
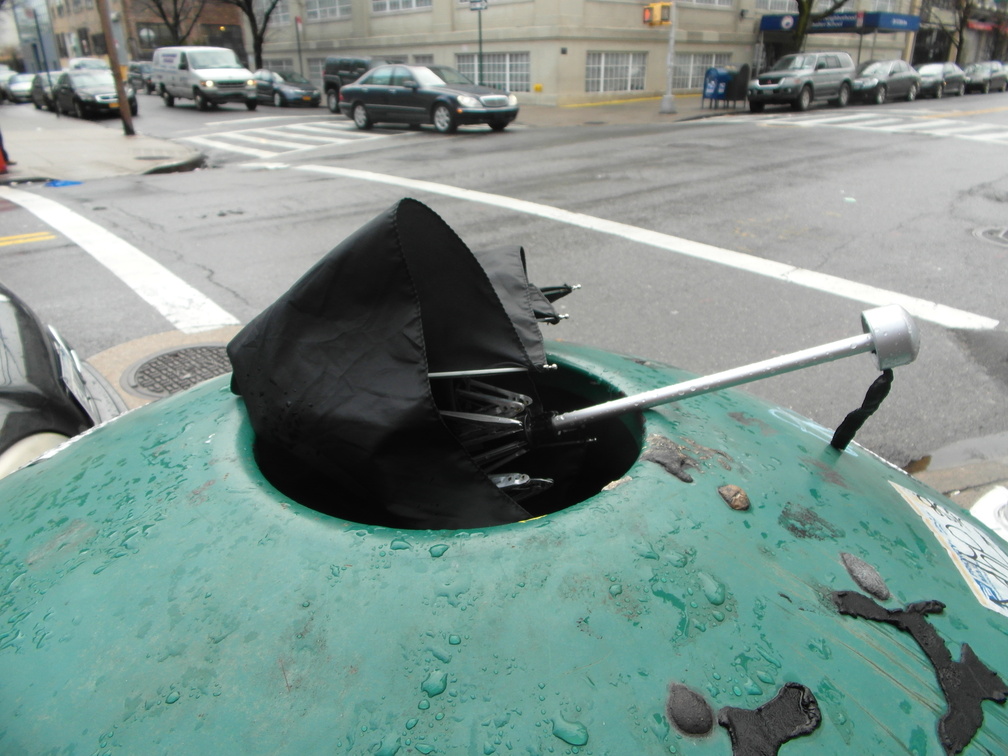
<point>798,79</point>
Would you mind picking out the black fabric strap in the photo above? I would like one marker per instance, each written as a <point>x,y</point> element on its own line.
<point>877,392</point>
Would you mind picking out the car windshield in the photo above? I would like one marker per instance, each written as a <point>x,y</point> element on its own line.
<point>21,78</point>
<point>931,69</point>
<point>439,76</point>
<point>214,59</point>
<point>91,63</point>
<point>292,77</point>
<point>794,63</point>
<point>92,78</point>
<point>976,68</point>
<point>874,69</point>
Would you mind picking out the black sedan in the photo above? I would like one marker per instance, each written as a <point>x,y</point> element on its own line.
<point>878,79</point>
<point>283,88</point>
<point>47,394</point>
<point>425,94</point>
<point>939,79</point>
<point>89,92</point>
<point>986,76</point>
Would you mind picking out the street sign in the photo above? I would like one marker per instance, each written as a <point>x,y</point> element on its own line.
<point>477,5</point>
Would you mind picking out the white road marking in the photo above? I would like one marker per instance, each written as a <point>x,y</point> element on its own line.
<point>182,305</point>
<point>213,144</point>
<point>921,308</point>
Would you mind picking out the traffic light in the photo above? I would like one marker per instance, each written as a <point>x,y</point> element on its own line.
<point>658,14</point>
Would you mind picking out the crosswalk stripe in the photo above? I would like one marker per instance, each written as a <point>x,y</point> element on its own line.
<point>217,145</point>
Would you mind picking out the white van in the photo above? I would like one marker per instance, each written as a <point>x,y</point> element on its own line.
<point>207,75</point>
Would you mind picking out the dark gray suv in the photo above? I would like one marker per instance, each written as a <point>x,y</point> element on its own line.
<point>797,80</point>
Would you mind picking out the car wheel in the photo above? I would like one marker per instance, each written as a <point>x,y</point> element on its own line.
<point>498,125</point>
<point>756,107</point>
<point>361,118</point>
<point>201,101</point>
<point>880,94</point>
<point>78,110</point>
<point>168,99</point>
<point>444,123</point>
<point>332,100</point>
<point>986,87</point>
<point>939,91</point>
<point>278,100</point>
<point>962,90</point>
<point>250,104</point>
<point>844,96</point>
<point>912,94</point>
<point>804,99</point>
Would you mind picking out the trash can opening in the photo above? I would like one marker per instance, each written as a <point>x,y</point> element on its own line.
<point>579,465</point>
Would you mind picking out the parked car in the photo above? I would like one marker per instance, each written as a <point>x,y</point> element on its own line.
<point>89,92</point>
<point>425,94</point>
<point>878,79</point>
<point>283,88</point>
<point>87,63</point>
<point>6,74</point>
<point>138,74</point>
<point>939,79</point>
<point>339,70</point>
<point>47,394</point>
<point>798,80</point>
<point>19,88</point>
<point>42,89</point>
<point>986,76</point>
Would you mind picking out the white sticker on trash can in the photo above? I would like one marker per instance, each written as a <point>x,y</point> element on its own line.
<point>980,559</point>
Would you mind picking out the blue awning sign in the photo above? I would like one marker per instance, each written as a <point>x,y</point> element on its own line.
<point>851,22</point>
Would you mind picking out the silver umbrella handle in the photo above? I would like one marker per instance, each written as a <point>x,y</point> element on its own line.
<point>889,332</point>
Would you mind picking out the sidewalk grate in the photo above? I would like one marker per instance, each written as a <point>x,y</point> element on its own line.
<point>175,370</point>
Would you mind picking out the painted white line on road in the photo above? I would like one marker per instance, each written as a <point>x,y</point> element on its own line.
<point>214,144</point>
<point>921,308</point>
<point>182,305</point>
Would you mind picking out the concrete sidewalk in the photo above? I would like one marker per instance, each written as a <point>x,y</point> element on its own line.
<point>46,147</point>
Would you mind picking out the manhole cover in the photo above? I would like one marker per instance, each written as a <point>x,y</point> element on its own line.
<point>996,235</point>
<point>176,370</point>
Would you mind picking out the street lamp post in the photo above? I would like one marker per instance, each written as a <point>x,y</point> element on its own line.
<point>479,6</point>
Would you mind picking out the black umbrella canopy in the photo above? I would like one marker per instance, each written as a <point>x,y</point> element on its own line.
<point>335,373</point>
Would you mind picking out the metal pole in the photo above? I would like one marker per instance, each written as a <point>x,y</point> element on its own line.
<point>668,105</point>
<point>717,381</point>
<point>479,78</point>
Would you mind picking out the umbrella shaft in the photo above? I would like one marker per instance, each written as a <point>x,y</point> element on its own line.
<point>726,379</point>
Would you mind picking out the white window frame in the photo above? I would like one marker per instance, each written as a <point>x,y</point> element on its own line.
<point>515,67</point>
<point>327,10</point>
<point>689,69</point>
<point>607,63</point>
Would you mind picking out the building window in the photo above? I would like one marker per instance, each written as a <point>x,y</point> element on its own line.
<point>423,60</point>
<point>690,69</point>
<point>393,6</point>
<point>281,13</point>
<point>777,6</point>
<point>320,10</point>
<point>510,71</point>
<point>615,72</point>
<point>315,70</point>
<point>278,64</point>
<point>715,3</point>
<point>886,6</point>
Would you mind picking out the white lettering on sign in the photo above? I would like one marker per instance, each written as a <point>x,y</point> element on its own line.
<point>979,557</point>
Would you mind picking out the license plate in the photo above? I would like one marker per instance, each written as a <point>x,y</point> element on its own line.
<point>306,98</point>
<point>114,104</point>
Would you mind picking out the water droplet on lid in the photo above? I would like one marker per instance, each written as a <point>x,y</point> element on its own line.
<point>438,549</point>
<point>615,589</point>
<point>454,640</point>
<point>172,697</point>
<point>572,733</point>
<point>435,684</point>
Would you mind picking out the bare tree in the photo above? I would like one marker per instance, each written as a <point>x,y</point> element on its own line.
<point>258,14</point>
<point>179,16</point>
<point>807,16</point>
